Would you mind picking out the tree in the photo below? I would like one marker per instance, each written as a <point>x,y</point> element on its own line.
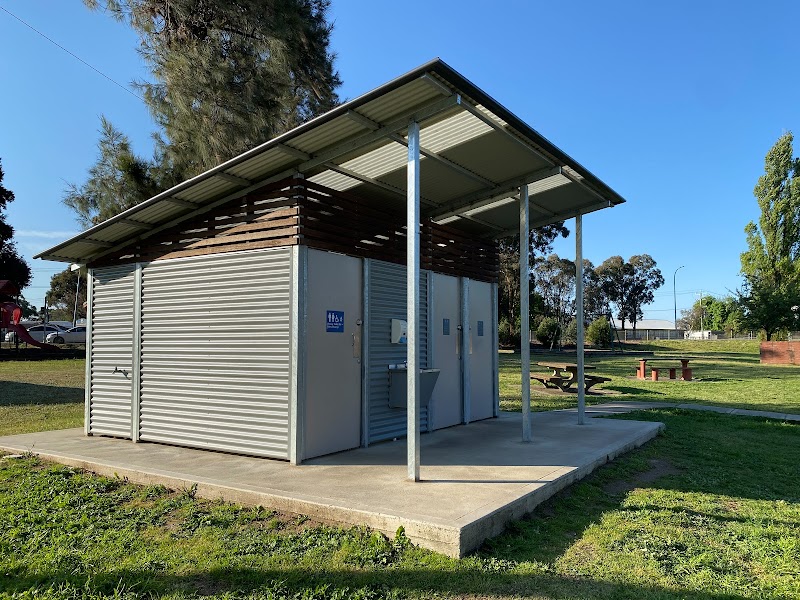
<point>61,297</point>
<point>540,242</point>
<point>707,313</point>
<point>629,286</point>
<point>595,303</point>
<point>28,309</point>
<point>117,181</point>
<point>229,75</point>
<point>12,266</point>
<point>771,263</point>
<point>555,280</point>
<point>226,76</point>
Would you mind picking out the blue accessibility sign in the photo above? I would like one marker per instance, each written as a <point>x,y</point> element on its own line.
<point>334,323</point>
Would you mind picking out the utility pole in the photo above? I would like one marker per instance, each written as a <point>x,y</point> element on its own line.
<point>675,298</point>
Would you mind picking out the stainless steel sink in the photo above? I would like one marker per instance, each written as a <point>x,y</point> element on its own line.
<point>398,385</point>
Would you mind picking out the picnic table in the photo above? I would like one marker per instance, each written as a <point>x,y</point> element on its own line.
<point>564,375</point>
<point>686,371</point>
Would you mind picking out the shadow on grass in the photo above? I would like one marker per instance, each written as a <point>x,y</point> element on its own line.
<point>699,449</point>
<point>632,391</point>
<point>342,583</point>
<point>13,393</point>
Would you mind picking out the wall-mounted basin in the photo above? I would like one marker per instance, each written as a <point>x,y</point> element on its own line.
<point>398,385</point>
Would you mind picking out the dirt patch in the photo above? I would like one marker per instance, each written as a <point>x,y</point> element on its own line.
<point>659,467</point>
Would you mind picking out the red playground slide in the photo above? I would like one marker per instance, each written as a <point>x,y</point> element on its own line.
<point>10,315</point>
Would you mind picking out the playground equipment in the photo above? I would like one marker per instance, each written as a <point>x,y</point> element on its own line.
<point>11,315</point>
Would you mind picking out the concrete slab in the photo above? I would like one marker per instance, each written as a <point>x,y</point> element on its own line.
<point>475,478</point>
<point>766,414</point>
<point>717,409</point>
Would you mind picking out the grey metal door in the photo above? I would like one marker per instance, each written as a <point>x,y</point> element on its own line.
<point>111,354</point>
<point>334,316</point>
<point>386,297</point>
<point>482,346</point>
<point>215,352</point>
<point>446,406</point>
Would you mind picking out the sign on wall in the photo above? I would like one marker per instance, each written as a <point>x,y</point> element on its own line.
<point>334,322</point>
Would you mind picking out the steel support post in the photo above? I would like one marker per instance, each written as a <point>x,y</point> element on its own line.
<point>87,418</point>
<point>525,321</point>
<point>136,355</point>
<point>579,317</point>
<point>297,379</point>
<point>412,299</point>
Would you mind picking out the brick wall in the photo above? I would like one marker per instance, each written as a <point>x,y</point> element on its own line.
<point>780,353</point>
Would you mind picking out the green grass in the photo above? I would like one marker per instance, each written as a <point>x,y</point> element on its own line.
<point>710,509</point>
<point>728,373</point>
<point>40,395</point>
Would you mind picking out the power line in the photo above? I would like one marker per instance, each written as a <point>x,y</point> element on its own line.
<point>72,54</point>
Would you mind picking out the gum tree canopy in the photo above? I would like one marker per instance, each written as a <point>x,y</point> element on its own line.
<point>771,263</point>
<point>629,286</point>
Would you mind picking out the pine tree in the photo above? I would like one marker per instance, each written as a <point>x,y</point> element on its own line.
<point>12,266</point>
<point>227,75</point>
<point>117,181</point>
<point>230,74</point>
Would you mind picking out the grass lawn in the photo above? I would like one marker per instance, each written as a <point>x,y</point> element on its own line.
<point>727,372</point>
<point>709,509</point>
<point>40,395</point>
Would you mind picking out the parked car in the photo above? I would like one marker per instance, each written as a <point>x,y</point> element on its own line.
<point>38,332</point>
<point>76,335</point>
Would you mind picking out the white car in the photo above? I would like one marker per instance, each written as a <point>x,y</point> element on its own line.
<point>76,335</point>
<point>37,332</point>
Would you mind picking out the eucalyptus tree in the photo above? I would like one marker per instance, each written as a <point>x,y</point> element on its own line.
<point>539,243</point>
<point>629,286</point>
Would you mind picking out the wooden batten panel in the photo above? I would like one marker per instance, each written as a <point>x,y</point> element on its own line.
<point>297,211</point>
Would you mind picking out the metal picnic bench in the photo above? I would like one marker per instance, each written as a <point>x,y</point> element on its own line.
<point>686,371</point>
<point>564,375</point>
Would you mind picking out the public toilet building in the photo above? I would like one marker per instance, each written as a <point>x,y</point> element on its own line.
<point>332,288</point>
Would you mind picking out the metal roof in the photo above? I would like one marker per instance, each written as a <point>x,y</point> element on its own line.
<point>475,156</point>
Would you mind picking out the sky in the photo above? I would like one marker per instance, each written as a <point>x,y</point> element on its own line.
<point>672,104</point>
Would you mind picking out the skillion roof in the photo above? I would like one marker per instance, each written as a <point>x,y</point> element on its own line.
<point>475,154</point>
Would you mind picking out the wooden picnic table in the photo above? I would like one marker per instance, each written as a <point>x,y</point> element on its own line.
<point>563,375</point>
<point>686,371</point>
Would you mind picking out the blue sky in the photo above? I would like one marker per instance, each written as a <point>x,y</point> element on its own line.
<point>673,104</point>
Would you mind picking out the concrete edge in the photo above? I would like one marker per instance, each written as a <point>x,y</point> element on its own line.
<point>494,523</point>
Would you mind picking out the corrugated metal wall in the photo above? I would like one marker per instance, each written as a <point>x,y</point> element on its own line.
<point>111,357</point>
<point>387,301</point>
<point>215,352</point>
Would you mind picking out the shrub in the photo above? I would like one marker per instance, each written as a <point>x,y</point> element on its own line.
<point>598,333</point>
<point>547,332</point>
<point>506,337</point>
<point>570,333</point>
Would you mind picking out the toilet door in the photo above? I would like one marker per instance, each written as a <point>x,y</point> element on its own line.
<point>482,345</point>
<point>333,376</point>
<point>446,402</point>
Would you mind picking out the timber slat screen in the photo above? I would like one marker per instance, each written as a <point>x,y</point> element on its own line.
<point>299,212</point>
